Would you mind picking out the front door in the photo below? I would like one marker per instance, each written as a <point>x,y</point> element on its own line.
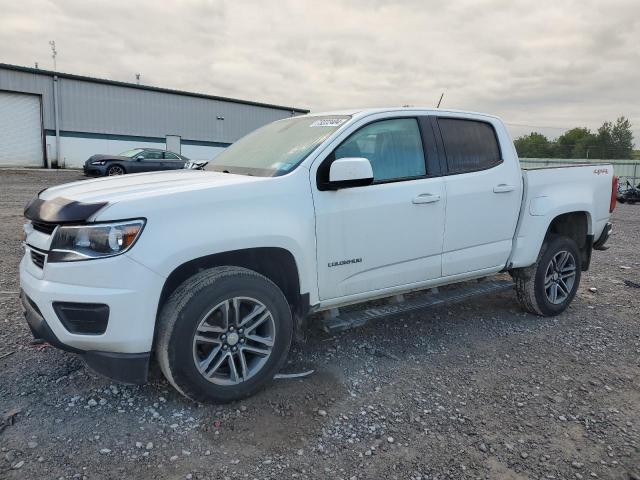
<point>151,160</point>
<point>388,233</point>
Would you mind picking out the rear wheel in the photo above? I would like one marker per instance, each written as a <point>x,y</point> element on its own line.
<point>223,334</point>
<point>115,170</point>
<point>549,286</point>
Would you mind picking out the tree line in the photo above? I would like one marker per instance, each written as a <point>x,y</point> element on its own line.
<point>611,140</point>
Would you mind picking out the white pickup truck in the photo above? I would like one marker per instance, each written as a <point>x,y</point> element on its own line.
<point>213,273</point>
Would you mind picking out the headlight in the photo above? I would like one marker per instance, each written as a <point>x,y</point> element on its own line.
<point>85,242</point>
<point>98,162</point>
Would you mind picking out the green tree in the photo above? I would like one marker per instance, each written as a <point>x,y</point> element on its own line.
<point>615,140</point>
<point>604,145</point>
<point>575,143</point>
<point>622,138</point>
<point>534,145</point>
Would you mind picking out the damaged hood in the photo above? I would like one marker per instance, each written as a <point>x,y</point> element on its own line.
<point>78,201</point>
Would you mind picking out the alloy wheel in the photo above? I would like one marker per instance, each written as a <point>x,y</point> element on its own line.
<point>233,341</point>
<point>560,277</point>
<point>115,170</point>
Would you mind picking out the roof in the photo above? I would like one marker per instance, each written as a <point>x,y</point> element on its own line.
<point>71,76</point>
<point>362,112</point>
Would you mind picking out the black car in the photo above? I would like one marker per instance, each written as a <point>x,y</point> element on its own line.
<point>134,161</point>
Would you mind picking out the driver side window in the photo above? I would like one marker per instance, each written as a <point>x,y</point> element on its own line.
<point>394,148</point>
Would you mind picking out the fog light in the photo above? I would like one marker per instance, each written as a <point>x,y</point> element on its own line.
<point>83,318</point>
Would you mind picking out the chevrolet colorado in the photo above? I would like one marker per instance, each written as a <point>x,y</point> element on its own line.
<point>213,273</point>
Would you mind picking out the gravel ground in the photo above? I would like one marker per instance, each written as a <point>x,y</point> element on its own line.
<point>477,390</point>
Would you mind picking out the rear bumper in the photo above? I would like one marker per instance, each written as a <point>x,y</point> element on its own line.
<point>122,367</point>
<point>599,244</point>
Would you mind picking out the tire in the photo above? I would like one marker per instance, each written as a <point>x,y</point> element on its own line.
<point>201,356</point>
<point>115,170</point>
<point>530,281</point>
<point>621,200</point>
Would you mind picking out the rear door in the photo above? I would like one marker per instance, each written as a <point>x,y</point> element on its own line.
<point>484,193</point>
<point>172,161</point>
<point>389,233</point>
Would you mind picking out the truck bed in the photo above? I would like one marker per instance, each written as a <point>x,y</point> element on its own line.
<point>551,191</point>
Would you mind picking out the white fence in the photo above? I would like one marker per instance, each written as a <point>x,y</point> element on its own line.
<point>624,169</point>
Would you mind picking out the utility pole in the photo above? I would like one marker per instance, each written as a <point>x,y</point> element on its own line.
<point>54,54</point>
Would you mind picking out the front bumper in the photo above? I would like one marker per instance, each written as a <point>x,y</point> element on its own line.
<point>94,170</point>
<point>131,292</point>
<point>122,367</point>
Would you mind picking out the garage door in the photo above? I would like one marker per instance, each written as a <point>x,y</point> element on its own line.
<point>20,130</point>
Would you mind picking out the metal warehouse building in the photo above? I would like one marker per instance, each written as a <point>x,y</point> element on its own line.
<point>57,119</point>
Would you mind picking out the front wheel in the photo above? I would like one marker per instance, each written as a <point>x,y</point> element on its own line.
<point>223,334</point>
<point>547,287</point>
<point>114,170</point>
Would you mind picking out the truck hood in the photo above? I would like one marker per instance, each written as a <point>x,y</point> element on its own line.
<point>77,201</point>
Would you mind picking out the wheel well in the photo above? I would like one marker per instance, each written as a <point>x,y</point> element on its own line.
<point>574,225</point>
<point>277,264</point>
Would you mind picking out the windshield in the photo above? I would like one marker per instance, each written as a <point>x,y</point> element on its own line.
<point>131,153</point>
<point>276,148</point>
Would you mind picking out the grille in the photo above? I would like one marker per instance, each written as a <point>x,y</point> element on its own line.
<point>37,258</point>
<point>43,227</point>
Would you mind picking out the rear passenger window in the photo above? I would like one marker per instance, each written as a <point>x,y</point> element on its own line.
<point>152,155</point>
<point>394,148</point>
<point>469,145</point>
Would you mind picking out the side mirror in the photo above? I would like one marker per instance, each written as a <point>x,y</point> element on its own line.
<point>139,157</point>
<point>350,172</point>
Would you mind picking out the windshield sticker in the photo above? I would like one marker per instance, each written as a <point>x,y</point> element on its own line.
<point>328,122</point>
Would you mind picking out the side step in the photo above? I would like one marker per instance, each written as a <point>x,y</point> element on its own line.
<point>333,323</point>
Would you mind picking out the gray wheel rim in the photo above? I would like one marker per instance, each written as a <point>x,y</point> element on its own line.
<point>233,341</point>
<point>560,277</point>
<point>115,170</point>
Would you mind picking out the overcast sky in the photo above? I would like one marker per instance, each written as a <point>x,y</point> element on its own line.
<point>558,63</point>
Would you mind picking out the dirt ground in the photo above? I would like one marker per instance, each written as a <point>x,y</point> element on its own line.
<point>476,390</point>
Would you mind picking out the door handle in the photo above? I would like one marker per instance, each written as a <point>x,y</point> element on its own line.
<point>426,198</point>
<point>503,188</point>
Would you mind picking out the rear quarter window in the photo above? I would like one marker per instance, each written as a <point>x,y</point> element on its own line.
<point>470,145</point>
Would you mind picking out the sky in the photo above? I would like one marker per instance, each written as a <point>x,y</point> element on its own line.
<point>541,65</point>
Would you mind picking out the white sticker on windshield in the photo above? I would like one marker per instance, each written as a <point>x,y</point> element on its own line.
<point>328,122</point>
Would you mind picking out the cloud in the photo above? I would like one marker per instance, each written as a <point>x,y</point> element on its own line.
<point>545,63</point>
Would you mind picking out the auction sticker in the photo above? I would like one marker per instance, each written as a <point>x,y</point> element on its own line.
<point>328,122</point>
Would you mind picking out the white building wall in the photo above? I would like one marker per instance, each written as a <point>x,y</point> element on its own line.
<point>75,151</point>
<point>200,152</point>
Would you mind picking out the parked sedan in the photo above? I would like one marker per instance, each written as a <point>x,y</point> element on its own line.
<point>133,161</point>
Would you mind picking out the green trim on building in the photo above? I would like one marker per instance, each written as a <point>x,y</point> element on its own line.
<point>132,138</point>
